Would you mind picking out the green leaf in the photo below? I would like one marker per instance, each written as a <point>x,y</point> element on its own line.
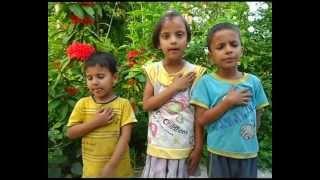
<point>99,10</point>
<point>53,104</point>
<point>71,102</point>
<point>54,172</point>
<point>76,10</point>
<point>64,112</point>
<point>56,82</point>
<point>123,47</point>
<point>56,33</point>
<point>89,10</point>
<point>68,38</point>
<point>141,78</point>
<point>93,34</point>
<point>57,125</point>
<point>136,88</point>
<point>76,168</point>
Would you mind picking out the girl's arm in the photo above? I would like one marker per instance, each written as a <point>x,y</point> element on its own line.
<point>151,102</point>
<point>195,155</point>
<point>103,117</point>
<point>120,149</point>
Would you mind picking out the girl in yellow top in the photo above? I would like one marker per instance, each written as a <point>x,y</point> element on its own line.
<point>104,121</point>
<point>166,98</point>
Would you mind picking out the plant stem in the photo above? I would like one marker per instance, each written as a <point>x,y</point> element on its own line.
<point>114,9</point>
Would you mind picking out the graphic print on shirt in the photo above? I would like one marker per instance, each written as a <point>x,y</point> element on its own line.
<point>240,115</point>
<point>171,120</point>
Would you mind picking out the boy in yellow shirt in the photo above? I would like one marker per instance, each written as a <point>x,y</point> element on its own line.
<point>104,121</point>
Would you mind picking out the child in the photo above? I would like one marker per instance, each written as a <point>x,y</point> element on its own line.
<point>166,98</point>
<point>227,101</point>
<point>104,121</point>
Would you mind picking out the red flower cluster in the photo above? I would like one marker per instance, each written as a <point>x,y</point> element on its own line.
<point>131,55</point>
<point>85,21</point>
<point>71,90</point>
<point>80,51</point>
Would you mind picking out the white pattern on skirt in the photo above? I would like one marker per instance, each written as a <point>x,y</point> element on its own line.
<point>166,168</point>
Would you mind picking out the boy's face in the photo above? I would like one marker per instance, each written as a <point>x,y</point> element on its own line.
<point>225,49</point>
<point>173,38</point>
<point>100,82</point>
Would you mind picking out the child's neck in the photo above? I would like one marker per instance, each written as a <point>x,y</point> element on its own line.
<point>107,98</point>
<point>230,73</point>
<point>172,66</point>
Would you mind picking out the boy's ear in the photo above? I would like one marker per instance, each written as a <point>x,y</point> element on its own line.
<point>115,79</point>
<point>210,56</point>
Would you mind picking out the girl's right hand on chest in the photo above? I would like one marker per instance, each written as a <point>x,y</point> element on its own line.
<point>183,82</point>
<point>104,116</point>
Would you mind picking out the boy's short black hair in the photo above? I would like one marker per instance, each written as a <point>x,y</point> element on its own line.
<point>103,59</point>
<point>168,15</point>
<point>219,27</point>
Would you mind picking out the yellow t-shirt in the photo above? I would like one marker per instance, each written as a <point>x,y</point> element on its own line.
<point>170,128</point>
<point>98,145</point>
<point>156,72</point>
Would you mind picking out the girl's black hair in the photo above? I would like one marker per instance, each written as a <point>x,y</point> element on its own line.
<point>103,59</point>
<point>219,27</point>
<point>168,16</point>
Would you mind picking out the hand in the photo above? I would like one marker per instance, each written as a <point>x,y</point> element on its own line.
<point>193,161</point>
<point>103,117</point>
<point>107,171</point>
<point>238,97</point>
<point>183,82</point>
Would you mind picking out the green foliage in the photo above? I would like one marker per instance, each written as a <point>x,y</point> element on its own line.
<point>122,27</point>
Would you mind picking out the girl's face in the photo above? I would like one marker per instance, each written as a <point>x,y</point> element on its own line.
<point>100,82</point>
<point>173,38</point>
<point>225,49</point>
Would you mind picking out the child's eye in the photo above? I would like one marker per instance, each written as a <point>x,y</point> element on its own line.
<point>100,76</point>
<point>220,46</point>
<point>180,34</point>
<point>234,44</point>
<point>164,36</point>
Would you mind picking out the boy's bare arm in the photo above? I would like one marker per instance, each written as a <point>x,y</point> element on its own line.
<point>120,149</point>
<point>103,117</point>
<point>233,98</point>
<point>214,113</point>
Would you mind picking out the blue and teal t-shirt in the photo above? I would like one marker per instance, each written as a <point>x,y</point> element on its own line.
<point>234,133</point>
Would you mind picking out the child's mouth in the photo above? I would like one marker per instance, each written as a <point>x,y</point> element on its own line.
<point>98,90</point>
<point>173,50</point>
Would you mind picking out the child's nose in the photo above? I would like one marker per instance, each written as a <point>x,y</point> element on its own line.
<point>173,39</point>
<point>95,81</point>
<point>229,49</point>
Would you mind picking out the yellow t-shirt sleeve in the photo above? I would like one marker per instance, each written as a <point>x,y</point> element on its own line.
<point>199,72</point>
<point>128,115</point>
<point>150,72</point>
<point>76,114</point>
